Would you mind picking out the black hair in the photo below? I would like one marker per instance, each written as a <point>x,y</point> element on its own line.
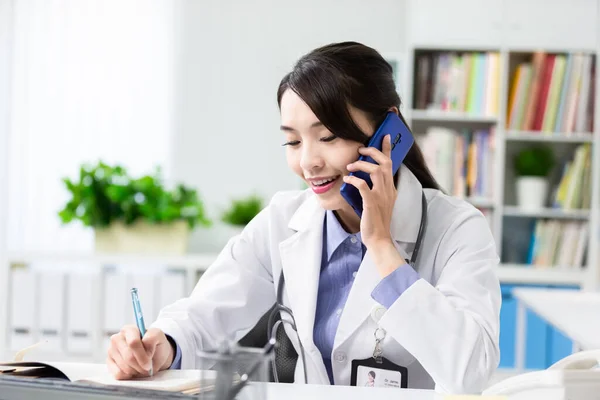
<point>333,77</point>
<point>372,373</point>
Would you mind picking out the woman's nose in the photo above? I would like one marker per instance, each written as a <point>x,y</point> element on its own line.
<point>311,159</point>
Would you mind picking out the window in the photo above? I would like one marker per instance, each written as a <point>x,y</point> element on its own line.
<point>90,80</point>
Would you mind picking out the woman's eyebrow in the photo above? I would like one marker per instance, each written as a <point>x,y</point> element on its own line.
<point>316,124</point>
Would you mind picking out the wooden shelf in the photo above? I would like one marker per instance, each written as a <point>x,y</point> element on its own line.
<point>527,136</point>
<point>481,202</point>
<point>551,213</point>
<point>520,273</point>
<point>454,116</point>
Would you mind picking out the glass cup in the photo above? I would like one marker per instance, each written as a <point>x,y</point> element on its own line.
<point>234,372</point>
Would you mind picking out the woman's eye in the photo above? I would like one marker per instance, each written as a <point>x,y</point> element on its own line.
<point>291,143</point>
<point>328,138</point>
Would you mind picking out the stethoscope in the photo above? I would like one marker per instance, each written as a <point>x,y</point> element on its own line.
<point>281,309</point>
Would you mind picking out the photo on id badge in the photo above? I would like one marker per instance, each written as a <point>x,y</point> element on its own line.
<point>374,377</point>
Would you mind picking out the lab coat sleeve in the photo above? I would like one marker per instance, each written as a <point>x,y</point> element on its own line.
<point>452,328</point>
<point>228,300</point>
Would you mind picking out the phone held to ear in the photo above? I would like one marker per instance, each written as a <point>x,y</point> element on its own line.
<point>402,140</point>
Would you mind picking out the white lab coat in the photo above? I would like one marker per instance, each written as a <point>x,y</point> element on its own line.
<point>444,328</point>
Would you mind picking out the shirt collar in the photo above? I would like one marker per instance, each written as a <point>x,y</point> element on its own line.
<point>335,234</point>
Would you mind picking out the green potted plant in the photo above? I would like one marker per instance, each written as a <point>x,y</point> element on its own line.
<point>132,214</point>
<point>241,211</point>
<point>532,167</point>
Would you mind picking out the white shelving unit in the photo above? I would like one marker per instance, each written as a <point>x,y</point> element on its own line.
<point>505,27</point>
<point>550,213</point>
<point>424,115</point>
<point>523,274</point>
<point>541,137</point>
<point>99,267</point>
<point>481,202</point>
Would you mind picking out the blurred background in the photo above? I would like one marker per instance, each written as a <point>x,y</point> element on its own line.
<point>138,136</point>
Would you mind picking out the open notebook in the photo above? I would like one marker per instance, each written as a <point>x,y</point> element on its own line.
<point>185,381</point>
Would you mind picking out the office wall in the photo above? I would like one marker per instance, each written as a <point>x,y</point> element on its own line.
<point>232,56</point>
<point>5,53</point>
<point>5,49</point>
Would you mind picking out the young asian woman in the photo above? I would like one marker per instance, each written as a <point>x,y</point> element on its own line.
<point>347,277</point>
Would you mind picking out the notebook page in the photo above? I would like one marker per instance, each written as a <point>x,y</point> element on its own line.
<point>79,371</point>
<point>172,380</point>
<point>70,371</point>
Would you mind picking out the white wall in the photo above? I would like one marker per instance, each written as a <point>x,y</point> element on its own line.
<point>233,55</point>
<point>5,52</point>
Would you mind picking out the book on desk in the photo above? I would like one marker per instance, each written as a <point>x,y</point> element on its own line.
<point>182,381</point>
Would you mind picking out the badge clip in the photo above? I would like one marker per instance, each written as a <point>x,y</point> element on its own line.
<point>378,351</point>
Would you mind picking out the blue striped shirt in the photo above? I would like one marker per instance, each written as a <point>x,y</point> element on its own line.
<point>342,254</point>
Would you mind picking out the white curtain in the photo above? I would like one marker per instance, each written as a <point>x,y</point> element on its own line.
<point>91,79</point>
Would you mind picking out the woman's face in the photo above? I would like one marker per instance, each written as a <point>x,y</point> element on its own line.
<point>314,154</point>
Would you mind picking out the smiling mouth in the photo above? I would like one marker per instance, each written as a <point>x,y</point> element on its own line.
<point>324,182</point>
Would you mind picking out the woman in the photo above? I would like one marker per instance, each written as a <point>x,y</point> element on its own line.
<point>347,279</point>
<point>370,379</point>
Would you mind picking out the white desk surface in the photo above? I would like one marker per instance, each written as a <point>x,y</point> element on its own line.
<point>576,314</point>
<point>324,392</point>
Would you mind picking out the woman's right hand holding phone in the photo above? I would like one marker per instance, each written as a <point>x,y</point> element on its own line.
<point>130,356</point>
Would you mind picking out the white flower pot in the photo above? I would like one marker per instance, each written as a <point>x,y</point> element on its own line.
<point>143,238</point>
<point>532,192</point>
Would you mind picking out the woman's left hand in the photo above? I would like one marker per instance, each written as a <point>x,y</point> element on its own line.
<point>378,202</point>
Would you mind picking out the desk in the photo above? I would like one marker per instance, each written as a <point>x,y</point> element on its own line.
<point>576,314</point>
<point>19,389</point>
<point>321,392</point>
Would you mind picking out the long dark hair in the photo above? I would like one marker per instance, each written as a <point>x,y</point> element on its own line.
<point>332,77</point>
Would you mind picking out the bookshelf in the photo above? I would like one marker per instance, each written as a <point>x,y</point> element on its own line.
<point>453,116</point>
<point>552,213</point>
<point>486,99</point>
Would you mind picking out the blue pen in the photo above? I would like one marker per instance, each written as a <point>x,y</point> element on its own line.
<point>139,318</point>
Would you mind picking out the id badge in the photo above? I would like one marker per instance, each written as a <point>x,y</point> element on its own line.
<point>371,373</point>
<point>378,371</point>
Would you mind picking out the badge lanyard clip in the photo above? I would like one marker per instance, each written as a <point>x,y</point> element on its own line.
<point>378,351</point>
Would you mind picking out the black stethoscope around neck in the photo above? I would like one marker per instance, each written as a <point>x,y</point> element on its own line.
<point>281,309</point>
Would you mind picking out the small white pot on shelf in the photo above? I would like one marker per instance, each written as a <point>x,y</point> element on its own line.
<point>143,238</point>
<point>532,192</point>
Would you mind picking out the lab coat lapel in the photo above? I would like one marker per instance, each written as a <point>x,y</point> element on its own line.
<point>301,262</point>
<point>404,229</point>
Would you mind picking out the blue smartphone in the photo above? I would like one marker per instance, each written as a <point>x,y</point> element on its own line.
<point>402,141</point>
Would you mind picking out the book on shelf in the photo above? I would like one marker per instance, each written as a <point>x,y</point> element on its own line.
<point>558,243</point>
<point>552,93</point>
<point>461,82</point>
<point>573,190</point>
<point>461,161</point>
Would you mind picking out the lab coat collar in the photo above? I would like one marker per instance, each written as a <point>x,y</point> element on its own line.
<point>301,256</point>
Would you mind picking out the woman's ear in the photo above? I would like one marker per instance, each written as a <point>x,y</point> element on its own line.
<point>394,109</point>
